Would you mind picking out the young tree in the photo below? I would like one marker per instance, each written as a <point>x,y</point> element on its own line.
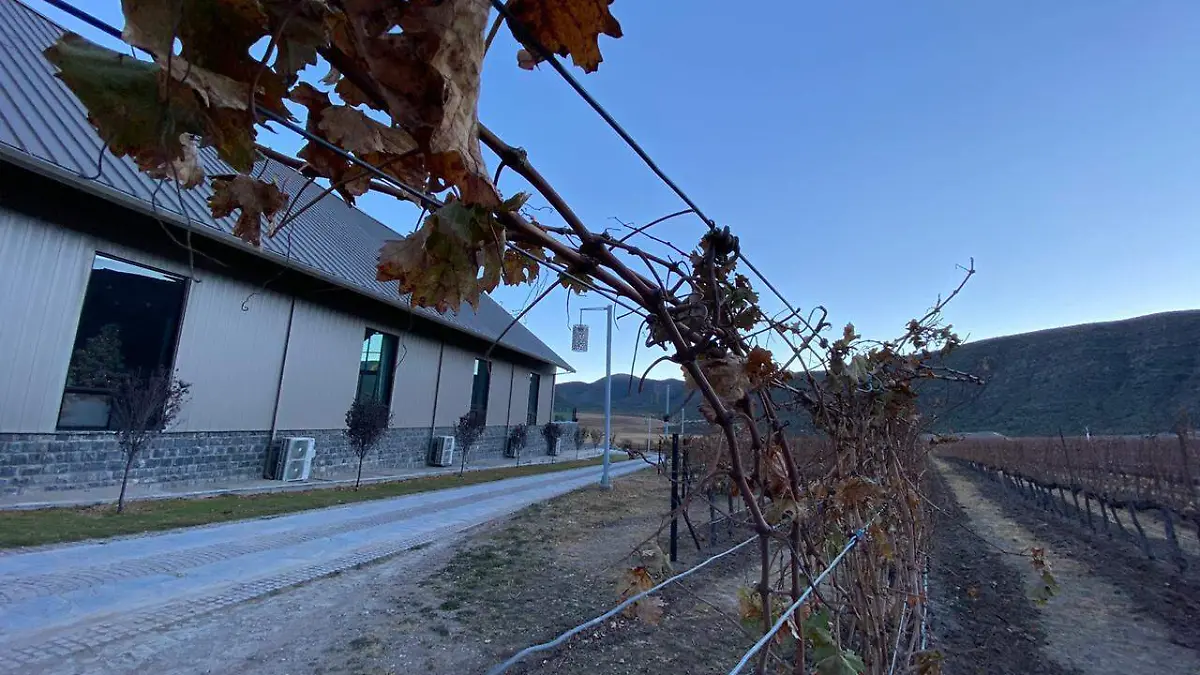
<point>466,433</point>
<point>366,422</point>
<point>518,436</point>
<point>551,432</point>
<point>142,407</point>
<point>581,434</point>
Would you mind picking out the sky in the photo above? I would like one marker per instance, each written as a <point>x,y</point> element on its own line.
<point>863,152</point>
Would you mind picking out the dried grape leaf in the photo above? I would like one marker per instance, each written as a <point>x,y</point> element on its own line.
<point>300,30</point>
<point>429,76</point>
<point>453,258</point>
<point>126,103</point>
<point>186,170</point>
<point>256,200</point>
<point>566,27</point>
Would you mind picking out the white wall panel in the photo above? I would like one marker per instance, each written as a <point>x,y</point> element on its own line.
<point>43,274</point>
<point>231,357</point>
<point>497,412</point>
<point>416,378</point>
<point>454,390</point>
<point>321,375</point>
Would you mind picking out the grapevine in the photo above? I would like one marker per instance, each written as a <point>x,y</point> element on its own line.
<point>395,110</point>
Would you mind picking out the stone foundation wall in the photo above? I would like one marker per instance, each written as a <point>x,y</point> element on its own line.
<point>78,460</point>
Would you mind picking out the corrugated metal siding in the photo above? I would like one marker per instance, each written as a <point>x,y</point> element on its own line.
<point>497,414</point>
<point>231,357</point>
<point>321,375</point>
<point>43,122</point>
<point>546,400</point>
<point>454,391</point>
<point>416,378</point>
<point>519,406</point>
<point>43,273</point>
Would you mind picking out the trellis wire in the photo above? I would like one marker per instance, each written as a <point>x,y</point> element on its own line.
<point>548,56</point>
<point>858,536</point>
<point>516,658</point>
<point>427,199</point>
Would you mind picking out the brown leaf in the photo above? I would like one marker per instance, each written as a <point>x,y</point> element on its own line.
<point>726,374</point>
<point>186,170</point>
<point>255,198</point>
<point>299,27</point>
<point>649,609</point>
<point>213,89</point>
<point>428,75</point>
<point>452,259</point>
<point>761,367</point>
<point>349,181</point>
<point>127,104</point>
<point>525,60</point>
<point>567,27</point>
<point>519,269</point>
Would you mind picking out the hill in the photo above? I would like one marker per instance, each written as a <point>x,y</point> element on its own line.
<point>1119,377</point>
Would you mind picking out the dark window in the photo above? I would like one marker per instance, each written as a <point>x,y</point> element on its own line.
<point>479,387</point>
<point>376,366</point>
<point>129,324</point>
<point>535,385</point>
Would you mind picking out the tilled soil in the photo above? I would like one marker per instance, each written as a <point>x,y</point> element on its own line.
<point>1157,590</point>
<point>981,618</point>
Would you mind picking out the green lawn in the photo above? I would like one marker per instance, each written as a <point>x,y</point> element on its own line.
<point>49,526</point>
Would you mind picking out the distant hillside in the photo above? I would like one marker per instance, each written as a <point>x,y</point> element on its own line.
<point>626,399</point>
<point>1127,376</point>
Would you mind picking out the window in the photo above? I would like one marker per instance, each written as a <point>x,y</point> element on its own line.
<point>479,387</point>
<point>129,324</point>
<point>376,367</point>
<point>535,385</point>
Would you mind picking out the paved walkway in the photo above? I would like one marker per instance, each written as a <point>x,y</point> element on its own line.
<point>39,499</point>
<point>59,600</point>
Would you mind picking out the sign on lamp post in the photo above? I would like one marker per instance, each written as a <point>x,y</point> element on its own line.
<point>579,343</point>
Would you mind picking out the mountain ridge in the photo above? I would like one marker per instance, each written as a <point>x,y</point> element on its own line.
<point>1125,376</point>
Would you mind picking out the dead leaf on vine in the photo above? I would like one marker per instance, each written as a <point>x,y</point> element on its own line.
<point>300,30</point>
<point>186,170</point>
<point>855,491</point>
<point>125,102</point>
<point>760,367</point>
<point>349,181</point>
<point>256,200</point>
<point>636,580</point>
<point>567,27</point>
<point>726,374</point>
<point>525,60</point>
<point>429,75</point>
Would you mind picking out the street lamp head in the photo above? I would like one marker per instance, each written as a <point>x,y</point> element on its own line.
<point>579,338</point>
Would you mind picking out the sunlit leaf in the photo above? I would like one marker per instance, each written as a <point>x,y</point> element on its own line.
<point>566,27</point>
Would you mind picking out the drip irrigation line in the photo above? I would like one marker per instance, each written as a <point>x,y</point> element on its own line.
<point>519,656</point>
<point>527,38</point>
<point>858,536</point>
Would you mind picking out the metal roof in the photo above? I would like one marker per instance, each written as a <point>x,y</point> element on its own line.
<point>43,127</point>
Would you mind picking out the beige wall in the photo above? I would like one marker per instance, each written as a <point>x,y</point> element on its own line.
<point>321,376</point>
<point>546,399</point>
<point>416,378</point>
<point>43,274</point>
<point>497,412</point>
<point>231,357</point>
<point>454,390</point>
<point>520,396</point>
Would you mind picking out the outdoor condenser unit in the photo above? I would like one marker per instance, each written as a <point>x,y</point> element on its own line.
<point>442,452</point>
<point>295,457</point>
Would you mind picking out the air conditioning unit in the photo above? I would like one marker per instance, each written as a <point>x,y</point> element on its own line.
<point>295,458</point>
<point>442,452</point>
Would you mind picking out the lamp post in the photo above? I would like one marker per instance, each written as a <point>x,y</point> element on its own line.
<point>579,344</point>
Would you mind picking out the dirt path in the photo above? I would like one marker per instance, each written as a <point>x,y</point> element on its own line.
<point>1091,626</point>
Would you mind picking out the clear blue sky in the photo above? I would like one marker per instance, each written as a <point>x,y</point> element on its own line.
<point>862,150</point>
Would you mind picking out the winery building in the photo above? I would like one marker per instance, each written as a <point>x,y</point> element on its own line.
<point>105,269</point>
